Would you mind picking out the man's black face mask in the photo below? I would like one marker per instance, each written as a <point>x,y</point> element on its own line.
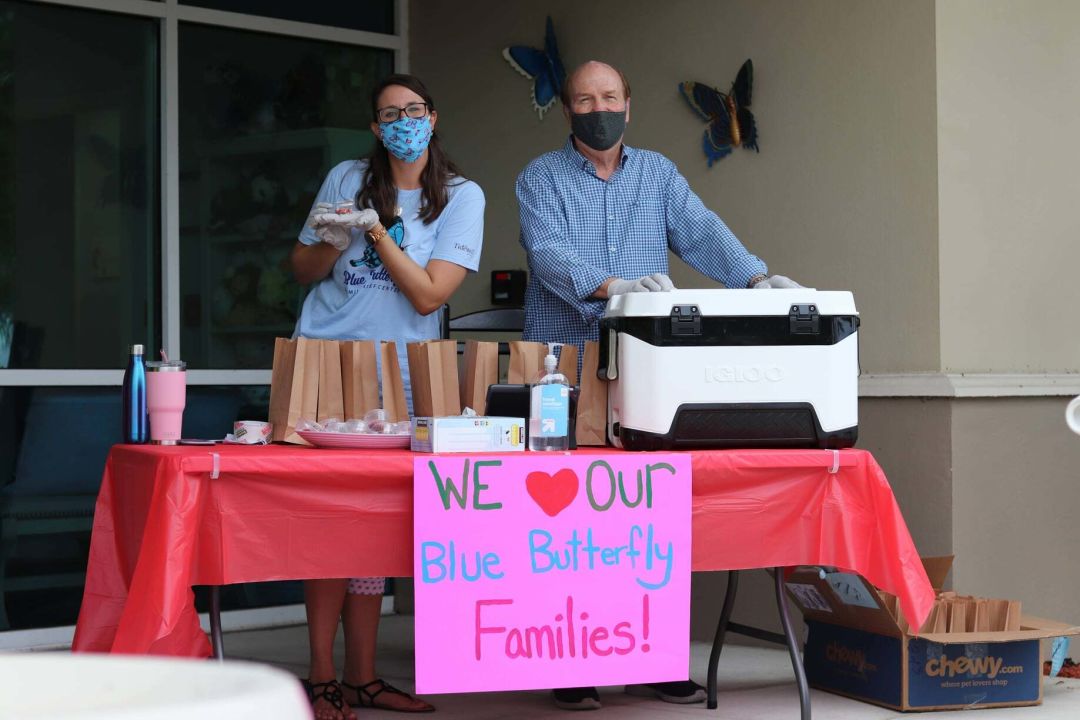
<point>599,129</point>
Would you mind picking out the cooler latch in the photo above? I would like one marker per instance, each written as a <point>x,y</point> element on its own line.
<point>804,320</point>
<point>685,320</point>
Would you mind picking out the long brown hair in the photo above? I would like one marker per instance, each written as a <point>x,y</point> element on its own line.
<point>377,189</point>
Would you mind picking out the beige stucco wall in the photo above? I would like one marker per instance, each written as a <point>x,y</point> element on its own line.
<point>1008,103</point>
<point>1016,503</point>
<point>843,193</point>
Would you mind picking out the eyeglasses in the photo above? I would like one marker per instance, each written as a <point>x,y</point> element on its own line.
<point>391,114</point>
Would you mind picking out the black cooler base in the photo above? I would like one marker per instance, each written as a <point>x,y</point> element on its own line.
<point>767,425</point>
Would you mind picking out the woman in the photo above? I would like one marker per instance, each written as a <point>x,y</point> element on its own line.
<point>389,240</point>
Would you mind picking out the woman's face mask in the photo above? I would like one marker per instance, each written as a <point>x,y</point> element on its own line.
<point>406,138</point>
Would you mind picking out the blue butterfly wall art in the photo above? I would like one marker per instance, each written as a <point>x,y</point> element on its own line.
<point>729,120</point>
<point>543,67</point>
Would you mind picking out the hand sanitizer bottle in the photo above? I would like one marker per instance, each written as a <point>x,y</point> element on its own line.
<point>549,408</point>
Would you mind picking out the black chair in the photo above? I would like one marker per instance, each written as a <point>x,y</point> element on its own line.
<point>57,474</point>
<point>494,321</point>
<point>508,319</point>
<point>68,432</point>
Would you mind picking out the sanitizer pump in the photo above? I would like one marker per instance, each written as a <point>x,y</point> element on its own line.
<point>549,408</point>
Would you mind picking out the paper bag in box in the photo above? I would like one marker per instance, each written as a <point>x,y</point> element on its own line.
<point>359,378</point>
<point>480,370</point>
<point>393,387</point>
<point>592,402</point>
<point>331,405</point>
<point>433,373</point>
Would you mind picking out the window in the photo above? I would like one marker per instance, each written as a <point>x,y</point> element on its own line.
<point>263,118</point>
<point>79,196</point>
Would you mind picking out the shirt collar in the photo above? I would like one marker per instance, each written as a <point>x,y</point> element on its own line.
<point>575,158</point>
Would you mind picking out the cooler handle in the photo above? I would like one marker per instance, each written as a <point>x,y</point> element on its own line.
<point>607,368</point>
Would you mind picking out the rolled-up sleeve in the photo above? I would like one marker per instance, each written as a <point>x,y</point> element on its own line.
<point>552,258</point>
<point>703,240</point>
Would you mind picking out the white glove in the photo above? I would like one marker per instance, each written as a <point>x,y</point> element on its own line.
<point>777,282</point>
<point>657,282</point>
<point>337,235</point>
<point>662,280</point>
<point>332,226</point>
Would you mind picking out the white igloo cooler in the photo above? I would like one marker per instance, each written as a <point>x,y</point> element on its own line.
<point>731,368</point>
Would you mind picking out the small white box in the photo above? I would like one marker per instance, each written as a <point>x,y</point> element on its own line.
<point>459,433</point>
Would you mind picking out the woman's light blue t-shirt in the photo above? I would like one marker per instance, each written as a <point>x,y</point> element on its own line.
<point>358,300</point>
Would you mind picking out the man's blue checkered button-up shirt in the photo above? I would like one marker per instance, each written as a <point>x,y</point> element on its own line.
<point>579,230</point>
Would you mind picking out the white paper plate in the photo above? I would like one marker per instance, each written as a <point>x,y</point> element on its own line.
<point>354,440</point>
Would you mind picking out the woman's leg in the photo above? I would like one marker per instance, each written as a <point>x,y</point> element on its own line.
<point>363,606</point>
<point>323,600</point>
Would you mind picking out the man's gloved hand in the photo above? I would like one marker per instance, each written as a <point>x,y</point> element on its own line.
<point>332,226</point>
<point>777,282</point>
<point>657,282</point>
<point>662,280</point>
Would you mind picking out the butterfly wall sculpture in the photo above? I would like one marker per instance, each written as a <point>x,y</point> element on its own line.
<point>730,122</point>
<point>543,67</point>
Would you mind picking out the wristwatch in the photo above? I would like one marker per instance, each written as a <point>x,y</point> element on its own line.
<point>756,279</point>
<point>375,234</point>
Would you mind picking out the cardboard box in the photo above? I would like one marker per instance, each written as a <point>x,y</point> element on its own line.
<point>459,433</point>
<point>860,647</point>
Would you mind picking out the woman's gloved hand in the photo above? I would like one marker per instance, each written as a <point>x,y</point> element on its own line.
<point>657,282</point>
<point>333,226</point>
<point>777,282</point>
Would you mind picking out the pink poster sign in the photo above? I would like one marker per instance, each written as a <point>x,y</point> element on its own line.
<point>546,570</point>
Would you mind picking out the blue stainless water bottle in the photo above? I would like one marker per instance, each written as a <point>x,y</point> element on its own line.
<point>136,426</point>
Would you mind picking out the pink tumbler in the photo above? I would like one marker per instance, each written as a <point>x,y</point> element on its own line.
<point>166,392</point>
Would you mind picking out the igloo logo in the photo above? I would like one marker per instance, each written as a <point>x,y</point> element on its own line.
<point>743,373</point>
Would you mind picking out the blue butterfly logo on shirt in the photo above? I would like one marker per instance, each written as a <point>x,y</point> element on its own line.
<point>371,259</point>
<point>543,67</point>
<point>730,122</point>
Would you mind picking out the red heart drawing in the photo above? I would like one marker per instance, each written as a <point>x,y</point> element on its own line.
<point>553,493</point>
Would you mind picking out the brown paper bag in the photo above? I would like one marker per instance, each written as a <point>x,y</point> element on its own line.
<point>281,378</point>
<point>294,386</point>
<point>526,361</point>
<point>393,387</point>
<point>331,405</point>
<point>568,363</point>
<point>359,378</point>
<point>306,375</point>
<point>592,402</point>
<point>998,611</point>
<point>982,615</point>
<point>958,616</point>
<point>433,375</point>
<point>479,371</point>
<point>1012,619</point>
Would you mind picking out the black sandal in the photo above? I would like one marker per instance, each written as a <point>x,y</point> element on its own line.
<point>328,691</point>
<point>366,698</point>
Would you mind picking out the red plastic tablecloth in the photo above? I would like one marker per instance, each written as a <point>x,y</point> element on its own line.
<point>278,512</point>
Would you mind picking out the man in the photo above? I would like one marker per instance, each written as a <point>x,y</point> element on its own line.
<point>597,219</point>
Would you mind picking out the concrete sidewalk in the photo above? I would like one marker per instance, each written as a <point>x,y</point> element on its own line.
<point>754,683</point>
